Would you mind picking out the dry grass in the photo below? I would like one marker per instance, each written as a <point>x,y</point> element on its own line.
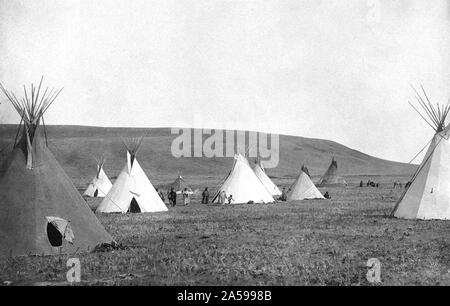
<point>297,243</point>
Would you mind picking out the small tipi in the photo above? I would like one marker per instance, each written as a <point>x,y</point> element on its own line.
<point>179,185</point>
<point>303,188</point>
<point>243,184</point>
<point>428,196</point>
<point>264,178</point>
<point>41,211</point>
<point>132,191</point>
<point>305,169</point>
<point>332,177</point>
<point>100,184</point>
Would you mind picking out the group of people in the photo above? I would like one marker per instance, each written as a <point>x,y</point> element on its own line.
<point>369,184</point>
<point>399,184</point>
<point>222,198</point>
<point>172,196</point>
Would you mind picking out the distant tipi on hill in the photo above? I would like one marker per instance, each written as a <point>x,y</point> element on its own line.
<point>331,176</point>
<point>428,197</point>
<point>41,211</point>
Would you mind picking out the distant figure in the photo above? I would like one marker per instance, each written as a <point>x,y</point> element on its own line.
<point>173,197</point>
<point>327,195</point>
<point>205,196</point>
<point>395,184</point>
<point>361,184</point>
<point>377,185</point>
<point>186,198</point>
<point>222,197</point>
<point>168,197</point>
<point>230,198</point>
<point>368,183</point>
<point>283,195</point>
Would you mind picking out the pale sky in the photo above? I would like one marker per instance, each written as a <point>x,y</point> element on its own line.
<point>330,69</point>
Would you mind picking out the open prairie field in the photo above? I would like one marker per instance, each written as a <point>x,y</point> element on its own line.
<point>289,243</point>
<point>295,243</point>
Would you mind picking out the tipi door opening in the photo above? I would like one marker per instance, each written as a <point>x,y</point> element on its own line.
<point>134,206</point>
<point>53,235</point>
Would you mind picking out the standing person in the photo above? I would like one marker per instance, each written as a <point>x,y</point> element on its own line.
<point>168,197</point>
<point>283,194</point>
<point>186,199</point>
<point>205,196</point>
<point>361,184</point>
<point>173,197</point>
<point>230,198</point>
<point>222,197</point>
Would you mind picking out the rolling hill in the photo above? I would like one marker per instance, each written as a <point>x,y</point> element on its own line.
<point>75,146</point>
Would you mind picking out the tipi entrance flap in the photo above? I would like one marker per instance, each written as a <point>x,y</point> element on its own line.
<point>57,229</point>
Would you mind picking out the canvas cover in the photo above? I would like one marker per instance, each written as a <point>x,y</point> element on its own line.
<point>265,180</point>
<point>332,177</point>
<point>303,188</point>
<point>132,184</point>
<point>100,184</point>
<point>428,196</point>
<point>243,184</point>
<point>29,196</point>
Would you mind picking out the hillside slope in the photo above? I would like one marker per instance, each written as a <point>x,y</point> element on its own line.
<point>75,146</point>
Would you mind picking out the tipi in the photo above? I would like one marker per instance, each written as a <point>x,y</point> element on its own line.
<point>243,184</point>
<point>179,185</point>
<point>100,184</point>
<point>331,177</point>
<point>264,178</point>
<point>428,195</point>
<point>303,188</point>
<point>305,169</point>
<point>132,191</point>
<point>41,211</point>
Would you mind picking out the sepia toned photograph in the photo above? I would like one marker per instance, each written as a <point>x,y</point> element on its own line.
<point>210,145</point>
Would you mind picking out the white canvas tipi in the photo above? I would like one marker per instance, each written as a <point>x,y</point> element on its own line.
<point>132,191</point>
<point>243,184</point>
<point>100,184</point>
<point>303,188</point>
<point>428,196</point>
<point>265,180</point>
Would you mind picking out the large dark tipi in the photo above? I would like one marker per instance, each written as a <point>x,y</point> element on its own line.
<point>332,177</point>
<point>41,212</point>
